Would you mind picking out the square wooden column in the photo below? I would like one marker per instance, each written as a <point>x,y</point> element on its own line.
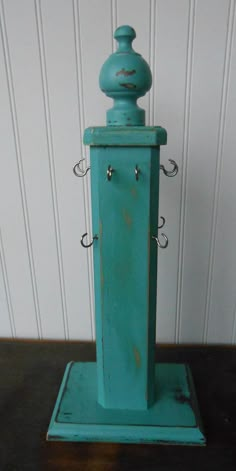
<point>124,396</point>
<point>125,215</point>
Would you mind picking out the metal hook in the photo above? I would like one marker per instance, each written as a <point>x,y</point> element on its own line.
<point>159,243</point>
<point>170,173</point>
<point>137,172</point>
<point>163,223</point>
<point>110,171</point>
<point>78,171</point>
<point>88,245</point>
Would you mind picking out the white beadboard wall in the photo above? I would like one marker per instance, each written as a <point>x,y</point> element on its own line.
<point>50,57</point>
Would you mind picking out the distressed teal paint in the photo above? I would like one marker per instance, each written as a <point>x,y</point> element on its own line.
<point>125,216</point>
<point>125,397</point>
<point>125,76</point>
<point>174,418</point>
<point>142,136</point>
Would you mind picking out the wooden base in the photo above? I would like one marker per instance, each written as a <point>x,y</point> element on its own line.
<point>174,419</point>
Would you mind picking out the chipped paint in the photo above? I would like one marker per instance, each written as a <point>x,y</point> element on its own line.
<point>78,393</point>
<point>134,192</point>
<point>126,73</point>
<point>127,218</point>
<point>128,85</point>
<point>182,398</point>
<point>137,357</point>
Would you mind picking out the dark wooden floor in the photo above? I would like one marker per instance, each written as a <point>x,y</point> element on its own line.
<point>30,375</point>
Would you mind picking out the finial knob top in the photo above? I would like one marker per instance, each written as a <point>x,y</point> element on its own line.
<point>125,76</point>
<point>125,35</point>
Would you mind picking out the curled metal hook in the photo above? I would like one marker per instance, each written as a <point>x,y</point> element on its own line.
<point>163,223</point>
<point>137,172</point>
<point>162,246</point>
<point>110,171</point>
<point>86,246</point>
<point>78,171</point>
<point>170,173</point>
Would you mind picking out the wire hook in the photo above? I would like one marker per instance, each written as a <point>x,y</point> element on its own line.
<point>110,171</point>
<point>170,173</point>
<point>78,171</point>
<point>86,246</point>
<point>137,172</point>
<point>163,222</point>
<point>162,246</point>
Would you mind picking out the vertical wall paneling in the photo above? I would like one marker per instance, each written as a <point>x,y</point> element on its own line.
<point>84,154</point>
<point>222,292</point>
<point>233,338</point>
<point>93,103</point>
<point>6,311</point>
<point>64,121</point>
<point>186,128</point>
<point>127,15</point>
<point>207,76</point>
<point>15,229</point>
<point>40,204</point>
<point>51,53</point>
<point>114,23</point>
<point>173,21</point>
<point>152,61</point>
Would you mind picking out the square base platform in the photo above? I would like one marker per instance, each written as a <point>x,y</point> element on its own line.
<point>173,419</point>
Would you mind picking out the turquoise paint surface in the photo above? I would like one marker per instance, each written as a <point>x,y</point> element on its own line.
<point>125,216</point>
<point>125,76</point>
<point>143,136</point>
<point>124,397</point>
<point>173,418</point>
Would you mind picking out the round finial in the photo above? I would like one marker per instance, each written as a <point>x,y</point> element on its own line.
<point>124,36</point>
<point>125,76</point>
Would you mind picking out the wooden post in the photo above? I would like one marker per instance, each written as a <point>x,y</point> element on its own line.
<point>124,396</point>
<point>125,215</point>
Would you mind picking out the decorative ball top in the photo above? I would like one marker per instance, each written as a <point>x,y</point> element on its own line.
<point>125,36</point>
<point>125,76</point>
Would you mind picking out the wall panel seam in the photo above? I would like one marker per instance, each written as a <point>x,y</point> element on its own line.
<point>152,61</point>
<point>184,176</point>
<point>233,339</point>
<point>81,111</point>
<point>113,23</point>
<point>219,158</point>
<point>7,287</point>
<point>20,169</point>
<point>51,158</point>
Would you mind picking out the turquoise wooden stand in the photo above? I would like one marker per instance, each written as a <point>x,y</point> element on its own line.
<point>124,396</point>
